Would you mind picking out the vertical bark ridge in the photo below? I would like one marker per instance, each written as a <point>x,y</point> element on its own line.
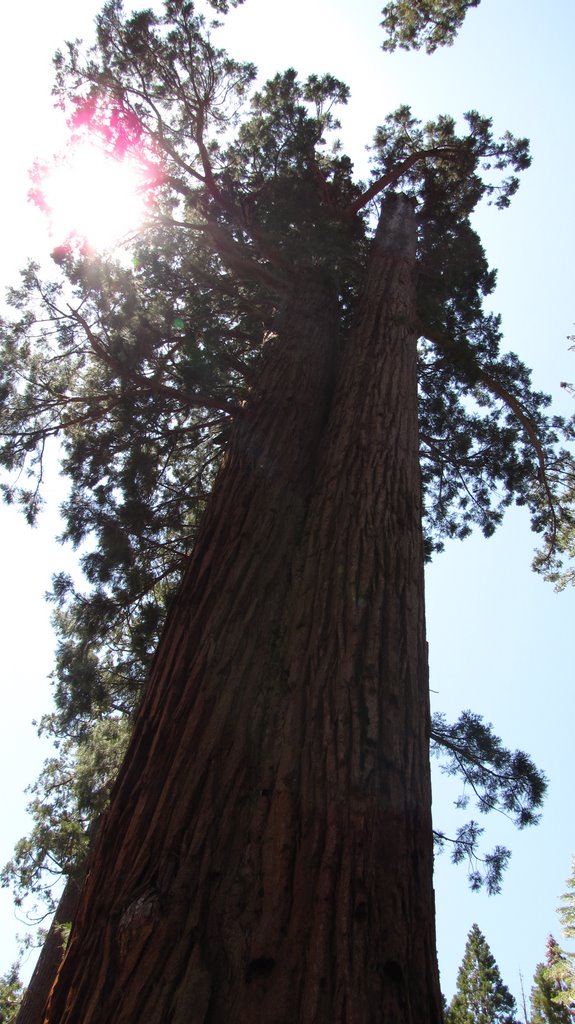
<point>350,825</point>
<point>160,921</point>
<point>268,854</point>
<point>50,958</point>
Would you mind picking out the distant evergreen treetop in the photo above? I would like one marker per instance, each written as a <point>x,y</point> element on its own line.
<point>566,909</point>
<point>481,996</point>
<point>558,972</point>
<point>546,1008</point>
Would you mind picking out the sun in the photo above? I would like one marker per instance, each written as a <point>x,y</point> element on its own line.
<point>94,197</point>
<point>97,191</point>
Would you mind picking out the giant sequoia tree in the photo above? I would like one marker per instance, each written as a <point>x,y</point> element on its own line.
<point>293,393</point>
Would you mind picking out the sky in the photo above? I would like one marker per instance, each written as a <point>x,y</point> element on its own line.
<point>500,638</point>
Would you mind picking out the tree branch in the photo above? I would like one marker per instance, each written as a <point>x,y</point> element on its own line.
<point>392,176</point>
<point>496,388</point>
<point>148,383</point>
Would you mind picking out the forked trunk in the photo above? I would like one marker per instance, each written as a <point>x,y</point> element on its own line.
<point>348,848</point>
<point>267,855</point>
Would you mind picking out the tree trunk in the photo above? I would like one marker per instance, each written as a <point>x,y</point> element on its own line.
<point>44,975</point>
<point>349,852</point>
<point>38,989</point>
<point>267,855</point>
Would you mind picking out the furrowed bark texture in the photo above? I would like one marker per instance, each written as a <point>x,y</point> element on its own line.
<point>350,834</point>
<point>159,922</point>
<point>38,989</point>
<point>44,975</point>
<point>267,856</point>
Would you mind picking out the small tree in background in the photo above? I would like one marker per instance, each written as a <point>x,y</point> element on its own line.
<point>566,909</point>
<point>545,1008</point>
<point>560,967</point>
<point>481,996</point>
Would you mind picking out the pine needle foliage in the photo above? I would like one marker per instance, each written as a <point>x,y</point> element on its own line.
<point>546,1006</point>
<point>136,369</point>
<point>481,996</point>
<point>559,969</point>
<point>417,24</point>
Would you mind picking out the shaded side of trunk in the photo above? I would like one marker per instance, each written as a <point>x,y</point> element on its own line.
<point>347,934</point>
<point>54,946</point>
<point>268,854</point>
<point>46,969</point>
<point>171,871</point>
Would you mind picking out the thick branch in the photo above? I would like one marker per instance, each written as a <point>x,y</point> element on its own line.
<point>392,176</point>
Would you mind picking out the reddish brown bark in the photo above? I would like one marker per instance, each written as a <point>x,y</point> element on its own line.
<point>267,855</point>
<point>353,783</point>
<point>38,989</point>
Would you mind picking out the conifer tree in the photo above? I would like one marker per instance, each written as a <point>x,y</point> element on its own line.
<point>560,967</point>
<point>566,909</point>
<point>269,402</point>
<point>481,996</point>
<point>545,1007</point>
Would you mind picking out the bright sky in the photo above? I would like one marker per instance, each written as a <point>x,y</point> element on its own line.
<point>500,638</point>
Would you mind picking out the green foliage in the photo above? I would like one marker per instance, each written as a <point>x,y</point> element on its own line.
<point>545,1007</point>
<point>136,369</point>
<point>566,909</point>
<point>559,568</point>
<point>11,993</point>
<point>474,464</point>
<point>71,792</point>
<point>553,992</point>
<point>560,967</point>
<point>498,779</point>
<point>481,996</point>
<point>223,6</point>
<point>413,24</point>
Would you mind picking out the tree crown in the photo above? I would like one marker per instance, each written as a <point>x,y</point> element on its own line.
<point>481,996</point>
<point>138,368</point>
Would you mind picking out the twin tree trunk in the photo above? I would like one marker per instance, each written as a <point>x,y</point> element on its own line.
<point>267,855</point>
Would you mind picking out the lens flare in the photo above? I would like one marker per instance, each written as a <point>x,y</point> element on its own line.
<point>97,191</point>
<point>94,197</point>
